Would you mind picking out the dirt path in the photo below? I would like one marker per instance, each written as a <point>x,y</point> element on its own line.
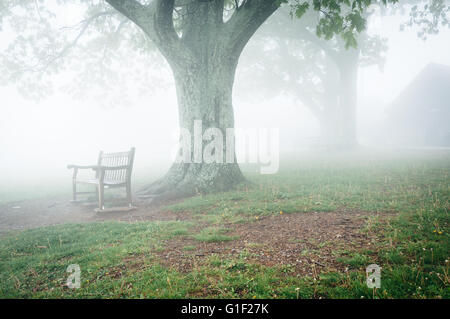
<point>307,242</point>
<point>34,213</point>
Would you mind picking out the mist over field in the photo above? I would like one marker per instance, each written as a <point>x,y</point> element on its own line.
<point>38,139</point>
<point>224,149</point>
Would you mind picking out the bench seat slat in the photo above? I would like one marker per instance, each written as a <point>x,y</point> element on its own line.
<point>95,181</point>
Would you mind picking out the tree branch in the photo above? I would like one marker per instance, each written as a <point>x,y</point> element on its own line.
<point>72,44</point>
<point>156,20</point>
<point>220,6</point>
<point>136,12</point>
<point>245,20</point>
<point>164,21</point>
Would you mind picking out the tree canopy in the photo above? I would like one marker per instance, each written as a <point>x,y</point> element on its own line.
<point>93,39</point>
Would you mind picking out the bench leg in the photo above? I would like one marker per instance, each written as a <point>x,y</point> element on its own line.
<point>74,190</point>
<point>101,199</point>
<point>129,199</point>
<point>74,184</point>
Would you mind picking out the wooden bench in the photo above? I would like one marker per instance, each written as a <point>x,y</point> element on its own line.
<point>112,170</point>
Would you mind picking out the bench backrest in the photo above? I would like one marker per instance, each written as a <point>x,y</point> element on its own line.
<point>114,160</point>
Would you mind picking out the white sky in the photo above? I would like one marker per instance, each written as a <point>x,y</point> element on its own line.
<point>406,57</point>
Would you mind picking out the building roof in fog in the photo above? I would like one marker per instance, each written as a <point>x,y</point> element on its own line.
<point>428,92</point>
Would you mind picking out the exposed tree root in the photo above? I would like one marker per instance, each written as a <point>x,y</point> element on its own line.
<point>188,179</point>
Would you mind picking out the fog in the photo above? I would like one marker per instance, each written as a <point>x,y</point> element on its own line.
<point>39,139</point>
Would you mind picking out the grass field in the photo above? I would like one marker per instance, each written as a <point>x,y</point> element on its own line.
<point>409,239</point>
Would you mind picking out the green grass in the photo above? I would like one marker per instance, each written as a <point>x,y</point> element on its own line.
<point>118,260</point>
<point>389,185</point>
<point>213,234</point>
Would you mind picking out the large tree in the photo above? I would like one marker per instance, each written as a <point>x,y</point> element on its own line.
<point>202,41</point>
<point>203,51</point>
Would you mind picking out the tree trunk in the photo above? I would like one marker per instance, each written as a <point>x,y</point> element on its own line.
<point>329,129</point>
<point>204,93</point>
<point>203,52</point>
<point>338,118</point>
<point>348,99</point>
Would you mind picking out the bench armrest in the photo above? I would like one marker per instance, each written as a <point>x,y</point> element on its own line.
<point>82,166</point>
<point>98,167</point>
<point>109,168</point>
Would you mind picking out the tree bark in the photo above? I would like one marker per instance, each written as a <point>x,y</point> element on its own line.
<point>348,68</point>
<point>204,93</point>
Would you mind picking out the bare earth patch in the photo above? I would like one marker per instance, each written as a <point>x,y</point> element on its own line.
<point>35,213</point>
<point>308,242</point>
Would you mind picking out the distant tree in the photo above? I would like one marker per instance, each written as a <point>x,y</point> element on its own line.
<point>429,16</point>
<point>201,40</point>
<point>321,74</point>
